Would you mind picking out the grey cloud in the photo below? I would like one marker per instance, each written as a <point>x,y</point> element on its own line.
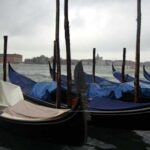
<point>108,25</point>
<point>23,16</point>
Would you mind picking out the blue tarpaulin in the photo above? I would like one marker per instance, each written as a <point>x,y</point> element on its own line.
<point>116,90</point>
<point>43,89</point>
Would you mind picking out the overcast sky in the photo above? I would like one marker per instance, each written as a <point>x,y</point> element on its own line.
<point>107,25</point>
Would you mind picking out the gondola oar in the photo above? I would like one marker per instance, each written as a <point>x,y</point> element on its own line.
<point>137,58</point>
<point>5,59</point>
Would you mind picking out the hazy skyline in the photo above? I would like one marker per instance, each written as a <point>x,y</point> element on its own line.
<point>107,25</point>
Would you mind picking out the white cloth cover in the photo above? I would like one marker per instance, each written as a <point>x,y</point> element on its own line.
<point>10,94</point>
<point>28,111</point>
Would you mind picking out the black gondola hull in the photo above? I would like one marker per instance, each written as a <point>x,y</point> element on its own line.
<point>138,120</point>
<point>70,129</point>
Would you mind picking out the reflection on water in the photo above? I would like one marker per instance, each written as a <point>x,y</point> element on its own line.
<point>119,139</point>
<point>98,138</point>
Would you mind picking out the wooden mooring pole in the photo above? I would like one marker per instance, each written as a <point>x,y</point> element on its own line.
<point>58,92</point>
<point>5,59</point>
<point>123,65</point>
<point>54,61</point>
<point>137,57</point>
<point>94,62</point>
<point>68,53</point>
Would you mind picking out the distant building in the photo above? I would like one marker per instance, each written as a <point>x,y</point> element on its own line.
<point>37,60</point>
<point>12,58</point>
<point>99,60</point>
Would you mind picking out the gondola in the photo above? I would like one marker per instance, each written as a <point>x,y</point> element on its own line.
<point>128,78</point>
<point>88,78</point>
<point>108,111</point>
<point>118,75</point>
<point>119,113</point>
<point>27,118</point>
<point>37,90</point>
<point>146,74</point>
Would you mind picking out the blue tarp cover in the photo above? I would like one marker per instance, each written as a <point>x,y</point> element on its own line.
<point>116,90</point>
<point>43,89</point>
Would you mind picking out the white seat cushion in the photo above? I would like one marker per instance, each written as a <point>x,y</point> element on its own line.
<point>25,110</point>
